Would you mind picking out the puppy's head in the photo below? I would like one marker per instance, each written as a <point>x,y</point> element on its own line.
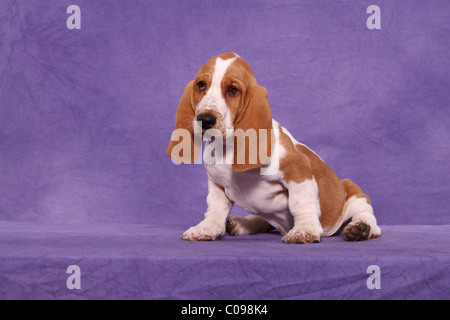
<point>225,96</point>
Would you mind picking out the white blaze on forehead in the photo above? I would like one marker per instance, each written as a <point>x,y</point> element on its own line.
<point>220,69</point>
<point>214,100</point>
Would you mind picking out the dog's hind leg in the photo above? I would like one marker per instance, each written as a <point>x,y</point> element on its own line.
<point>251,224</point>
<point>363,224</point>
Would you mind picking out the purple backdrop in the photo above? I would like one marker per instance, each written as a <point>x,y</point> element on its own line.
<point>86,115</point>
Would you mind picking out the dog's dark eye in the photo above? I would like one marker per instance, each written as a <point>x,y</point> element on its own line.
<point>201,86</point>
<point>233,90</point>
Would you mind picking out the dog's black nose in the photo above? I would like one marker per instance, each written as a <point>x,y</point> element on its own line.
<point>208,120</point>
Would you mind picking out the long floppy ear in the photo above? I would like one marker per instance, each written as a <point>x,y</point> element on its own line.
<point>188,148</point>
<point>253,134</point>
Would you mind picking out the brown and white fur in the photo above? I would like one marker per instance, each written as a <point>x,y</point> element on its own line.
<point>303,199</point>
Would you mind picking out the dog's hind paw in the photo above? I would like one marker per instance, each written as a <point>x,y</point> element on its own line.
<point>357,231</point>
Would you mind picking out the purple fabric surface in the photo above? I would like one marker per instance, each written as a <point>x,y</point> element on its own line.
<point>152,262</point>
<point>86,115</point>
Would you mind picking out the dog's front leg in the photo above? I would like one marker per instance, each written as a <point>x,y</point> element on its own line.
<point>213,226</point>
<point>305,208</point>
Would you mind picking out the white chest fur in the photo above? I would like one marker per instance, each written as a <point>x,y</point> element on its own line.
<point>250,190</point>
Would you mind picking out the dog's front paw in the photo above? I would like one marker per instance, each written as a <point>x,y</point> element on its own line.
<point>302,236</point>
<point>204,232</point>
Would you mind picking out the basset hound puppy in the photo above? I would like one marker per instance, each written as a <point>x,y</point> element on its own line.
<point>298,194</point>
